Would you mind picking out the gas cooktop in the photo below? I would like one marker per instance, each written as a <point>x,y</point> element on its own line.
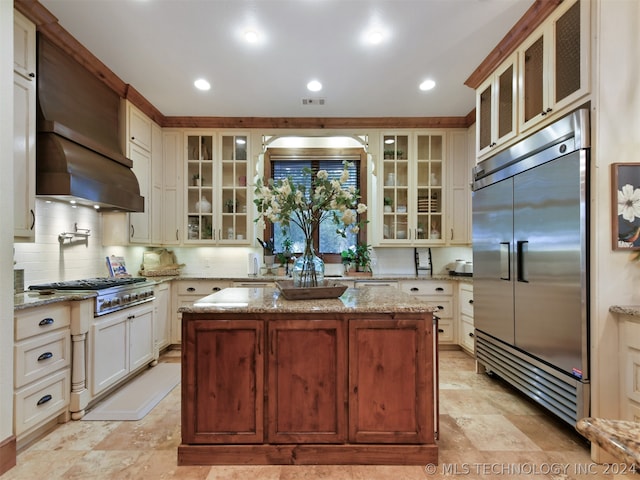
<point>89,283</point>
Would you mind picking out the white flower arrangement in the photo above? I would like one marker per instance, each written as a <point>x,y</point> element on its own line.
<point>285,202</point>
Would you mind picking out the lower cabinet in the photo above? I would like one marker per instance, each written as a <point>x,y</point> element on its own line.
<point>437,293</point>
<point>629,348</point>
<point>307,381</point>
<point>42,368</point>
<point>329,388</point>
<point>225,382</point>
<point>120,343</point>
<point>184,293</point>
<point>465,309</point>
<point>161,315</point>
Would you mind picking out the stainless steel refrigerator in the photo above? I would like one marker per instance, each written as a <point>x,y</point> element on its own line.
<point>531,269</point>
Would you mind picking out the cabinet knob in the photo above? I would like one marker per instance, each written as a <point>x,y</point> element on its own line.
<point>471,334</point>
<point>440,330</point>
<point>440,307</point>
<point>32,75</point>
<point>471,302</point>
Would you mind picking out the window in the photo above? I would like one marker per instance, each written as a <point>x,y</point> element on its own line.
<point>281,165</point>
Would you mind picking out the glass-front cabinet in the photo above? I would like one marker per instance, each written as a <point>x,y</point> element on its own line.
<point>217,192</point>
<point>412,188</point>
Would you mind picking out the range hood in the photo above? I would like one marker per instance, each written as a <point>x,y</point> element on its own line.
<point>79,150</point>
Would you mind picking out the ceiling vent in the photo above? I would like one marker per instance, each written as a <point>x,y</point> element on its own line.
<point>313,101</point>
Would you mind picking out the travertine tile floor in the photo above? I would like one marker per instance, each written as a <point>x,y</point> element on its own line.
<point>486,431</point>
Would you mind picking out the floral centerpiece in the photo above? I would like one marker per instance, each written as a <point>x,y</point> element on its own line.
<point>306,205</point>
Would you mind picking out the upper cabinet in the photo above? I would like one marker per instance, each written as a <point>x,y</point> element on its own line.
<point>217,196</point>
<point>545,77</point>
<point>411,189</point>
<point>24,125</point>
<point>554,64</point>
<point>496,107</point>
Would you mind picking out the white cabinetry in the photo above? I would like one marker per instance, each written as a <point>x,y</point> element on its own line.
<point>554,64</point>
<point>629,347</point>
<point>412,179</point>
<point>459,165</point>
<point>139,150</point>
<point>438,294</point>
<point>496,107</point>
<point>24,125</point>
<point>465,310</point>
<point>171,198</point>
<point>119,344</point>
<point>184,293</point>
<point>42,369</point>
<point>217,193</point>
<point>161,316</point>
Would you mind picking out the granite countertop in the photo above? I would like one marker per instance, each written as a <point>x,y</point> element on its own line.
<point>22,301</point>
<point>621,438</point>
<point>275,278</point>
<point>265,300</point>
<point>632,310</point>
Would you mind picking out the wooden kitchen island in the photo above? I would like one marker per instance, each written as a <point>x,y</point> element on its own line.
<point>266,380</point>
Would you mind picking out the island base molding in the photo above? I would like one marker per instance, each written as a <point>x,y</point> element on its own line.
<point>308,454</point>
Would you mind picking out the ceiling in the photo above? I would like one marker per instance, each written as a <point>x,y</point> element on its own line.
<point>161,46</point>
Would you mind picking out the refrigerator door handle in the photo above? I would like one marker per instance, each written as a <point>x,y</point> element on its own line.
<point>522,248</point>
<point>505,261</point>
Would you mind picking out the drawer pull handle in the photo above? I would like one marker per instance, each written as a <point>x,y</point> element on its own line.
<point>44,400</point>
<point>191,289</point>
<point>440,330</point>
<point>46,321</point>
<point>415,289</point>
<point>216,289</point>
<point>439,289</point>
<point>440,307</point>
<point>45,356</point>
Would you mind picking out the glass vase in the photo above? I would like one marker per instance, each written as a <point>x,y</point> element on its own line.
<point>308,269</point>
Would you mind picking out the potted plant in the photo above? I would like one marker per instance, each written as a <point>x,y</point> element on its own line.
<point>358,260</point>
<point>267,251</point>
<point>196,179</point>
<point>388,204</point>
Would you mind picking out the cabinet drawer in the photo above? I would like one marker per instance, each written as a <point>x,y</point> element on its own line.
<point>632,334</point>
<point>375,284</point>
<point>41,355</point>
<point>443,304</point>
<point>42,401</point>
<point>466,301</point>
<point>445,331</point>
<point>42,319</point>
<point>427,287</point>
<point>467,333</point>
<point>200,288</point>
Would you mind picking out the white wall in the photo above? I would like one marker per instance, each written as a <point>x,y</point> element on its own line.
<point>616,117</point>
<point>6,233</point>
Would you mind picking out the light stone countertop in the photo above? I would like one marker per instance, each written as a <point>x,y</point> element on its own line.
<point>621,438</point>
<point>632,310</point>
<point>265,300</point>
<point>32,299</point>
<point>345,278</point>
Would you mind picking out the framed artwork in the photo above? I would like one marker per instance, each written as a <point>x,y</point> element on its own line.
<point>625,214</point>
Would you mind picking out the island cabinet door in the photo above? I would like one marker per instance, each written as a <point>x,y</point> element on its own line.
<point>307,381</point>
<point>223,385</point>
<point>390,381</point>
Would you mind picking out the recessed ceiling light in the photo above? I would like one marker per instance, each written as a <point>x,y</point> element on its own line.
<point>202,84</point>
<point>427,85</point>
<point>251,36</point>
<point>314,86</point>
<point>375,37</point>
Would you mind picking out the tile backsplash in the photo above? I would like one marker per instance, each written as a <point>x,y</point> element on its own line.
<point>49,260</point>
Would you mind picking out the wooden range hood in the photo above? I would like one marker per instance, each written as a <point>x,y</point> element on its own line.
<point>79,149</point>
